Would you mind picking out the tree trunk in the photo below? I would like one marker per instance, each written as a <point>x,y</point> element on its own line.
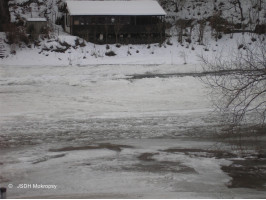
<point>180,36</point>
<point>241,10</point>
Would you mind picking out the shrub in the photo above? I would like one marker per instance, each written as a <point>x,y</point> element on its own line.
<point>82,44</point>
<point>110,53</point>
<point>65,44</point>
<point>169,42</point>
<point>240,46</point>
<point>15,35</point>
<point>253,39</point>
<point>188,40</point>
<point>260,29</point>
<point>24,38</point>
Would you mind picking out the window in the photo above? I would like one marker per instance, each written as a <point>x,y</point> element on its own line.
<point>81,21</point>
<point>125,20</point>
<point>76,22</point>
<point>93,20</point>
<point>101,20</point>
<point>88,20</point>
<point>112,20</point>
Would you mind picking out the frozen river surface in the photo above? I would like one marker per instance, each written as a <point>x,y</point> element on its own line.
<point>93,132</point>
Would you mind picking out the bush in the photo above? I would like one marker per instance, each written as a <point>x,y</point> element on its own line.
<point>78,43</point>
<point>15,35</point>
<point>169,42</point>
<point>24,38</point>
<point>240,46</point>
<point>110,53</point>
<point>260,29</point>
<point>188,40</point>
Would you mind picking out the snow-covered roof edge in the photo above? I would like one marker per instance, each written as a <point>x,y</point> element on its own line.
<point>133,7</point>
<point>36,19</point>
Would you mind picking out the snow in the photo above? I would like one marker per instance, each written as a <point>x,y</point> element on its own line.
<point>146,7</point>
<point>105,173</point>
<point>80,98</point>
<point>153,54</point>
<point>52,107</point>
<point>36,20</point>
<point>108,89</point>
<point>45,100</point>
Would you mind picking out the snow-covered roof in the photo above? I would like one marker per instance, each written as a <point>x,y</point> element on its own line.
<point>133,7</point>
<point>36,20</point>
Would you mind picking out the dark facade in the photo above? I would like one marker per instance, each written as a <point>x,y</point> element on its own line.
<point>113,29</point>
<point>36,26</point>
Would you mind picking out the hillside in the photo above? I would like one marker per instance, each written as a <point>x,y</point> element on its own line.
<point>194,27</point>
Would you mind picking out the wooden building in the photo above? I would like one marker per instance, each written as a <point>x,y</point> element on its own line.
<point>121,21</point>
<point>36,26</point>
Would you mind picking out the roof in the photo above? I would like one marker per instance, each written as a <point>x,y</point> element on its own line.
<point>36,20</point>
<point>133,7</point>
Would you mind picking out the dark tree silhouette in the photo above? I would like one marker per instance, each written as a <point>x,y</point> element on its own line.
<point>239,85</point>
<point>117,28</point>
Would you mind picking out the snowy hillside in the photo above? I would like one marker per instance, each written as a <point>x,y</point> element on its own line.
<point>253,11</point>
<point>20,10</point>
<point>63,49</point>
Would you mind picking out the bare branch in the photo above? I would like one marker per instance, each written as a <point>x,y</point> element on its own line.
<point>239,86</point>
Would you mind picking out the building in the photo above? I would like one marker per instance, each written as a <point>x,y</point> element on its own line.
<point>132,21</point>
<point>36,26</point>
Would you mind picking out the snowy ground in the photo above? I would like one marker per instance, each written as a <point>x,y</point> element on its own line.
<point>170,53</point>
<point>97,127</point>
<point>96,133</point>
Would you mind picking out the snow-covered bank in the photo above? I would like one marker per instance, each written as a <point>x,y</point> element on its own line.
<point>170,52</point>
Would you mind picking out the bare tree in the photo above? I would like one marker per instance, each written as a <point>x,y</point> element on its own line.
<point>239,85</point>
<point>182,24</point>
<point>260,5</point>
<point>160,26</point>
<point>177,4</point>
<point>191,27</point>
<point>106,28</point>
<point>117,28</point>
<point>218,24</point>
<point>148,31</point>
<point>202,25</point>
<point>238,3</point>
